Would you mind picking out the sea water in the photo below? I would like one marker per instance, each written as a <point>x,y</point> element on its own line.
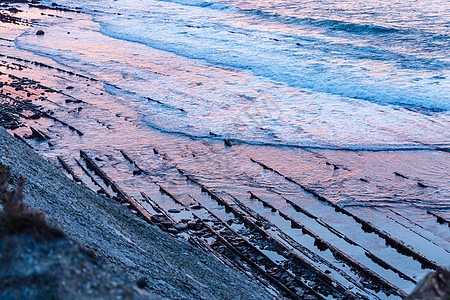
<point>328,74</point>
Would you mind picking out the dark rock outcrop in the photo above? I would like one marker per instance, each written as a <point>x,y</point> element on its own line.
<point>435,286</point>
<point>38,261</point>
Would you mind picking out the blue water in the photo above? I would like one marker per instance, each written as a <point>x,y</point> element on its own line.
<point>338,74</point>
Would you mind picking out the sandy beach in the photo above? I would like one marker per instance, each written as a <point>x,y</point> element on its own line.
<point>201,213</point>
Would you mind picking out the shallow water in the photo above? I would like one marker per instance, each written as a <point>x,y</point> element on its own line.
<point>325,74</point>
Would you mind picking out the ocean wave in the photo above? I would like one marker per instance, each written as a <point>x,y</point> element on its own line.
<point>311,146</point>
<point>330,24</point>
<point>324,65</point>
<point>301,74</point>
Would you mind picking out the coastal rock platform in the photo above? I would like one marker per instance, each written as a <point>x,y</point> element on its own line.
<point>305,195</point>
<point>170,267</point>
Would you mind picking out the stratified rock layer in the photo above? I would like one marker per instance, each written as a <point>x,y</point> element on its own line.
<point>172,267</point>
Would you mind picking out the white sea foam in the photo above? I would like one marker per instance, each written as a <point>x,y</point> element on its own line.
<point>290,75</point>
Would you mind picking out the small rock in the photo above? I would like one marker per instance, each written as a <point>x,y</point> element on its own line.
<point>40,32</point>
<point>166,224</point>
<point>198,232</point>
<point>172,230</point>
<point>137,172</point>
<point>157,219</point>
<point>173,210</point>
<point>181,226</point>
<point>13,10</point>
<point>142,283</point>
<point>421,184</point>
<point>194,225</point>
<point>191,223</point>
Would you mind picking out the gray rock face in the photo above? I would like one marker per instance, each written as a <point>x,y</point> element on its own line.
<point>173,268</point>
<point>56,268</point>
<point>38,261</point>
<point>435,286</point>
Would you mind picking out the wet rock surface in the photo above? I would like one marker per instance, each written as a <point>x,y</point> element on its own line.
<point>172,268</point>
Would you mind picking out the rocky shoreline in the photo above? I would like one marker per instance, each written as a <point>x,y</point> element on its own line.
<point>303,223</point>
<point>167,266</point>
